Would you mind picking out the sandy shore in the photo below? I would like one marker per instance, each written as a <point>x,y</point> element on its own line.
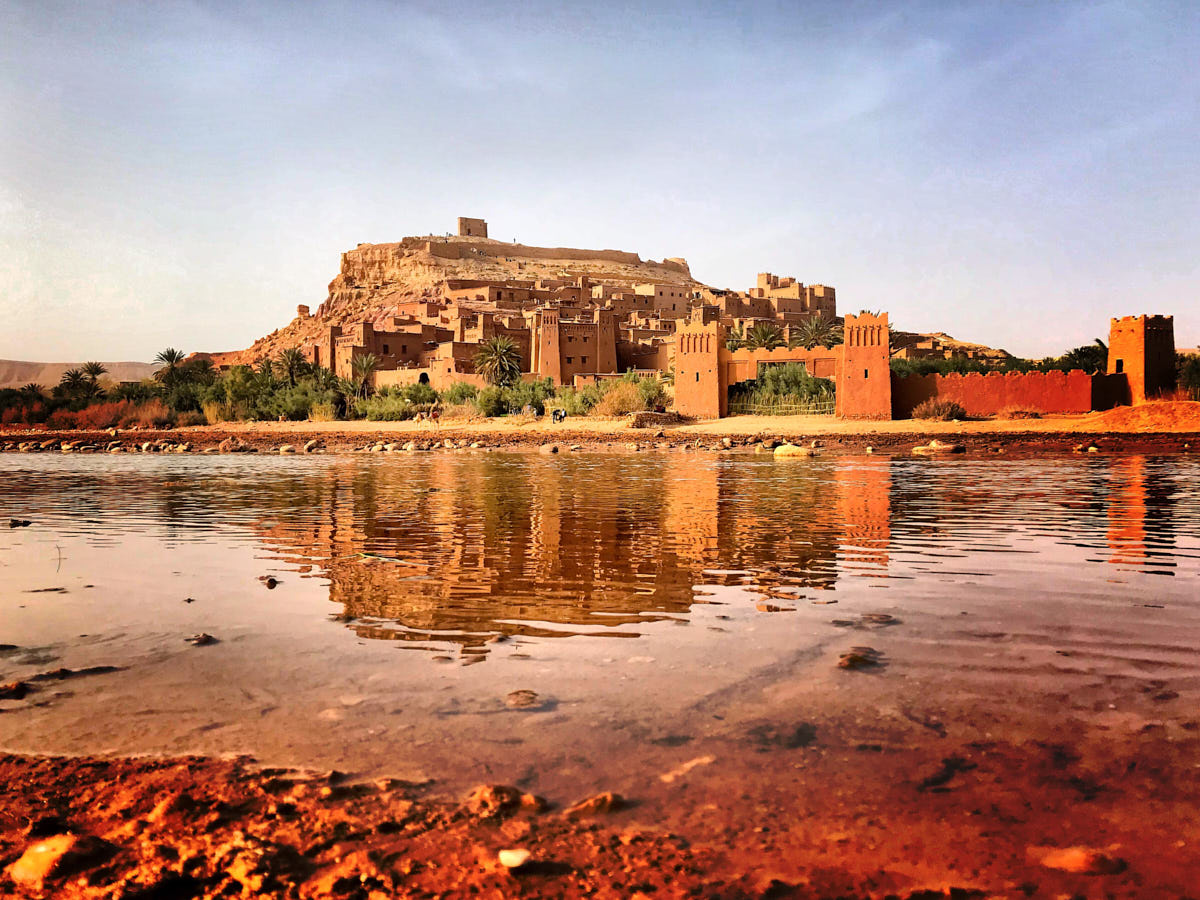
<point>1155,427</point>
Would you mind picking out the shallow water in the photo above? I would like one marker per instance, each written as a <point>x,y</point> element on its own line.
<point>665,607</point>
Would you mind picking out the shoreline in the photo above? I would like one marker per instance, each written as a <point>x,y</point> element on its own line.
<point>1049,434</point>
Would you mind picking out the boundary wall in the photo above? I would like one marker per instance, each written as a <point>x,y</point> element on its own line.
<point>987,394</point>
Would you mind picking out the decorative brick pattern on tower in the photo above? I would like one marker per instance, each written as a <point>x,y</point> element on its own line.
<point>1143,349</point>
<point>864,384</point>
<point>700,389</point>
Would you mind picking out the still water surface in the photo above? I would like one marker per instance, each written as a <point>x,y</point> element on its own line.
<point>663,606</point>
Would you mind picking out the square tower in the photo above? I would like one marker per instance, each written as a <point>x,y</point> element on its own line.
<point>472,227</point>
<point>1142,348</point>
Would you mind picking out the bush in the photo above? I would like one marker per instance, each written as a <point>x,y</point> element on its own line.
<point>387,407</point>
<point>621,398</point>
<point>934,408</point>
<point>324,411</point>
<point>152,414</point>
<point>188,419</point>
<point>465,411</point>
<point>533,394</point>
<point>500,401</point>
<point>62,419</point>
<point>458,393</point>
<point>578,402</point>
<point>216,411</point>
<point>490,402</point>
<point>1187,373</point>
<point>103,415</point>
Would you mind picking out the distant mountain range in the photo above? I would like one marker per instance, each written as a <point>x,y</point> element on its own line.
<point>14,373</point>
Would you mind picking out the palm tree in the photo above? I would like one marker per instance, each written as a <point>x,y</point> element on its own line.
<point>170,360</point>
<point>72,383</point>
<point>736,339</point>
<point>1090,357</point>
<point>363,366</point>
<point>291,364</point>
<point>198,371</point>
<point>499,361</point>
<point>31,392</point>
<point>94,370</point>
<point>814,331</point>
<point>764,336</point>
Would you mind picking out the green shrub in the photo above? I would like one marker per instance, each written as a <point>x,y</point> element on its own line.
<point>578,402</point>
<point>1187,372</point>
<point>388,406</point>
<point>458,393</point>
<point>490,402</point>
<point>934,408</point>
<point>533,394</point>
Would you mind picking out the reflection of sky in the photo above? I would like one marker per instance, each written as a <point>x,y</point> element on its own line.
<point>184,171</point>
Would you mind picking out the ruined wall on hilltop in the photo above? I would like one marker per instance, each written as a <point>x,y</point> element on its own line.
<point>465,249</point>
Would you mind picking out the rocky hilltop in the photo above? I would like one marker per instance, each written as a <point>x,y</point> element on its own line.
<point>375,278</point>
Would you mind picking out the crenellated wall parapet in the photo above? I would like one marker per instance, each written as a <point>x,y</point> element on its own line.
<point>985,394</point>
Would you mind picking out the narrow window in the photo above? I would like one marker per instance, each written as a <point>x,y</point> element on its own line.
<point>583,359</point>
<point>1120,366</point>
<point>570,359</point>
<point>697,376</point>
<point>385,349</point>
<point>404,348</point>
<point>866,373</point>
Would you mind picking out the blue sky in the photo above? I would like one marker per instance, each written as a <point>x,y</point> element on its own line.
<point>185,173</point>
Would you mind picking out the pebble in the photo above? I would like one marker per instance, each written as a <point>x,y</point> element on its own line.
<point>523,699</point>
<point>1081,860</point>
<point>513,859</point>
<point>860,658</point>
<point>595,806</point>
<point>203,639</point>
<point>58,857</point>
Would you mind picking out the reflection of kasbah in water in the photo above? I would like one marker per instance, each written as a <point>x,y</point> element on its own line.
<point>1139,516</point>
<point>464,548</point>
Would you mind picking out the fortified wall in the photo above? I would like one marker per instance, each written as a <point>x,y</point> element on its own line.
<point>705,368</point>
<point>987,394</point>
<point>1141,366</point>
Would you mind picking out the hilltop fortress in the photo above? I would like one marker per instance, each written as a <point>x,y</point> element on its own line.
<point>423,306</point>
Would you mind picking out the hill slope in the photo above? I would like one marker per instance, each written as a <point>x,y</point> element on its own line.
<point>14,373</point>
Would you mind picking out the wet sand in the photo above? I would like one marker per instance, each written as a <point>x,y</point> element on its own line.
<point>930,815</point>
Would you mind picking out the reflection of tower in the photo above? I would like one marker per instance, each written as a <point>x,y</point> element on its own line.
<point>691,509</point>
<point>1127,512</point>
<point>864,491</point>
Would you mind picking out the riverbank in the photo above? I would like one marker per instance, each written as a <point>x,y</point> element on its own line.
<point>1155,427</point>
<point>942,819</point>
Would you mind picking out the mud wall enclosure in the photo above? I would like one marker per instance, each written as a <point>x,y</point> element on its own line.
<point>985,395</point>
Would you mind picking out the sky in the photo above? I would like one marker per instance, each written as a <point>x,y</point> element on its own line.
<point>185,173</point>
